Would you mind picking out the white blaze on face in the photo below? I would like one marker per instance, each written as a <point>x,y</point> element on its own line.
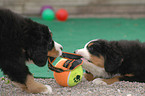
<point>84,51</point>
<point>58,48</point>
<point>90,42</point>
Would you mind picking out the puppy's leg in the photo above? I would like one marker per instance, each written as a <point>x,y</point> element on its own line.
<point>112,80</point>
<point>133,78</point>
<point>36,87</point>
<point>100,81</point>
<point>89,76</point>
<point>32,86</point>
<point>126,77</point>
<point>19,73</point>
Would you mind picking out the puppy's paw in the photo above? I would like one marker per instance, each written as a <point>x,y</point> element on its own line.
<point>89,76</point>
<point>99,81</point>
<point>48,90</point>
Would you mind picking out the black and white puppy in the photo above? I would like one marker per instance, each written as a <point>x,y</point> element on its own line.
<point>21,40</point>
<point>103,60</point>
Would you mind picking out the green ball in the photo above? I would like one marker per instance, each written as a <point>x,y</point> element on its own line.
<point>48,14</point>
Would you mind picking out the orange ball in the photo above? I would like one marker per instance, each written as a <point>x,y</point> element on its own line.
<point>68,78</point>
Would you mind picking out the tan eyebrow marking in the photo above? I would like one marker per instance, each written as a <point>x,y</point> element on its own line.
<point>90,44</point>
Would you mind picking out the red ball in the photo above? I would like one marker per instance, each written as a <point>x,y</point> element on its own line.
<point>62,15</point>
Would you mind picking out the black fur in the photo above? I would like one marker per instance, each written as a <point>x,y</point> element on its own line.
<point>123,57</point>
<point>22,39</point>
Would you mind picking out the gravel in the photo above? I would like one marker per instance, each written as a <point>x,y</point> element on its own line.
<point>84,88</point>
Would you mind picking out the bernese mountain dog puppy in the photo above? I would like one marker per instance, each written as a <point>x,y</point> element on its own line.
<point>107,62</point>
<point>21,40</point>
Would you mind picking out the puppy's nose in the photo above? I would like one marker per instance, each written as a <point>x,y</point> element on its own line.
<point>61,48</point>
<point>75,51</point>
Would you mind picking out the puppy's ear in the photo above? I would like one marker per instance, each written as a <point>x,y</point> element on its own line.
<point>35,41</point>
<point>38,55</point>
<point>113,59</point>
